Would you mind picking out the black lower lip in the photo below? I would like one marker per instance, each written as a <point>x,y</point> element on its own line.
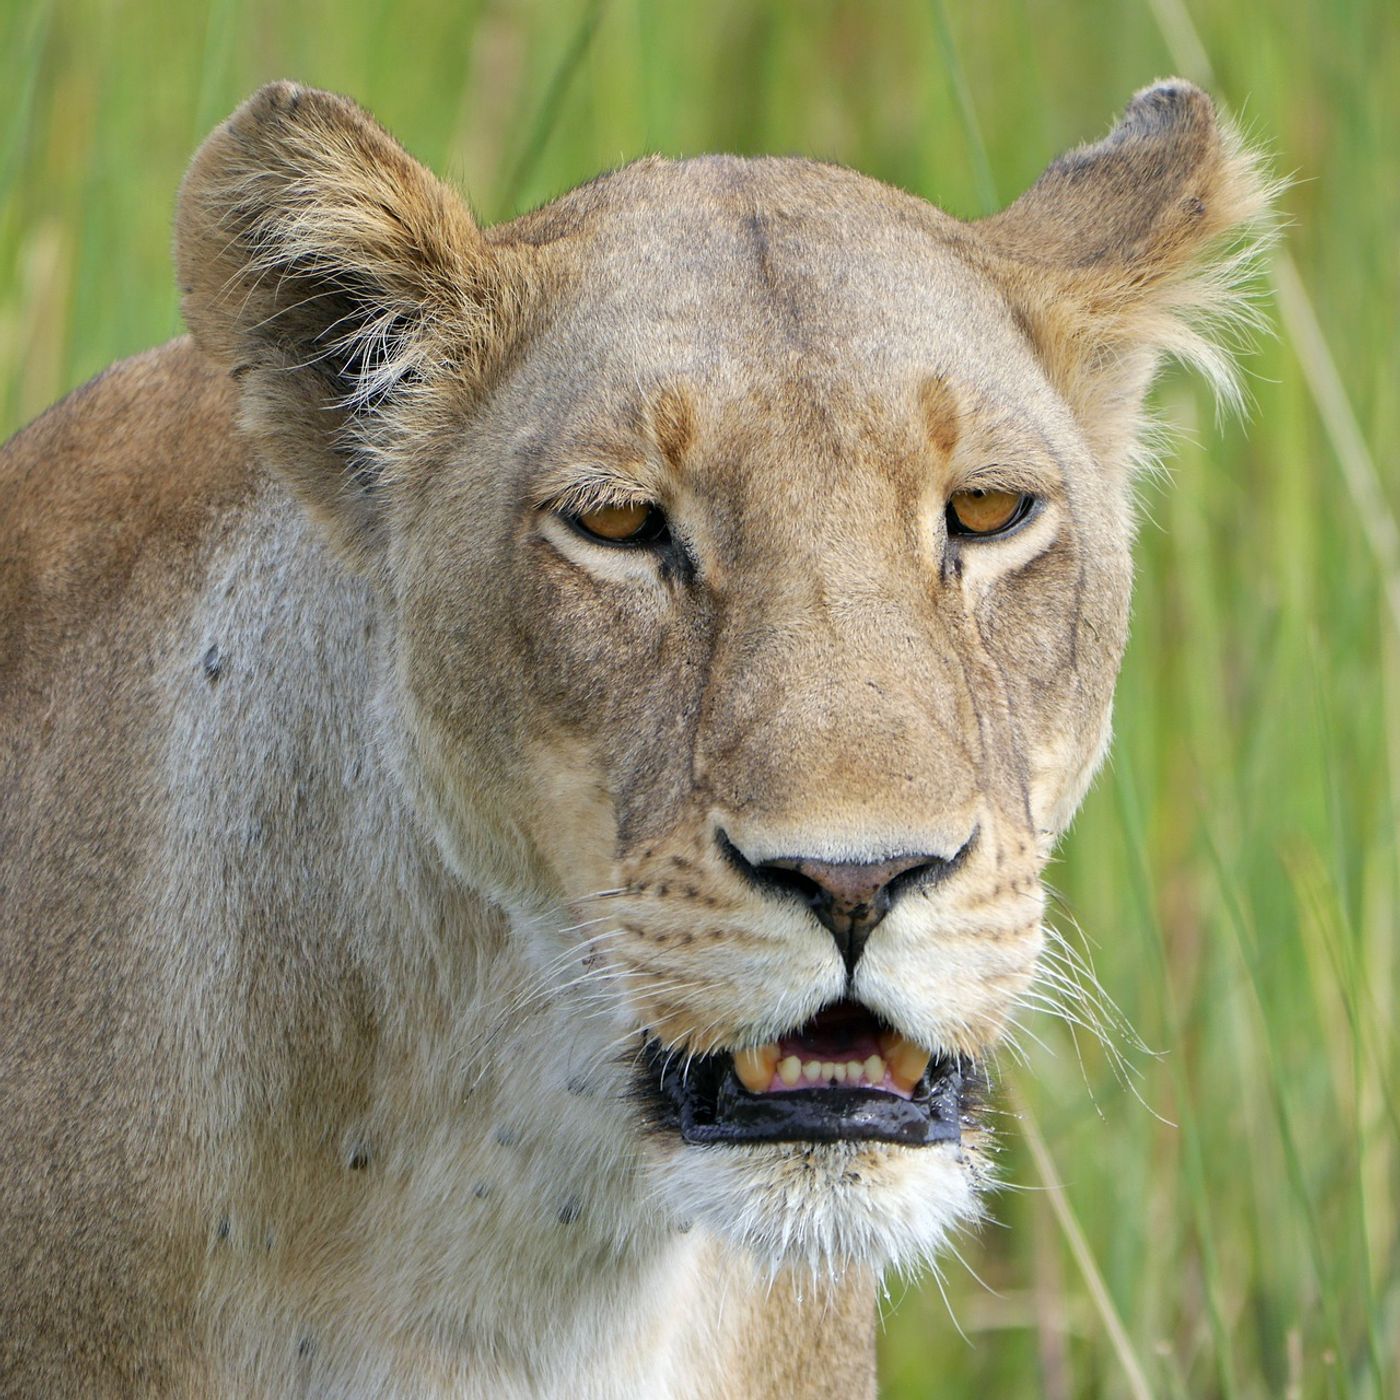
<point>704,1100</point>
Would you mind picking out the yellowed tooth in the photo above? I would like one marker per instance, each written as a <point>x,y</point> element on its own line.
<point>828,1071</point>
<point>755,1067</point>
<point>875,1070</point>
<point>839,1071</point>
<point>906,1062</point>
<point>790,1070</point>
<point>855,1071</point>
<point>812,1071</point>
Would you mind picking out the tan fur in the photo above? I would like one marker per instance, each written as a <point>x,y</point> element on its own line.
<point>360,815</point>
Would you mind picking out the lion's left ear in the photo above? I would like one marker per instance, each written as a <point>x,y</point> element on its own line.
<point>1131,249</point>
<point>342,285</point>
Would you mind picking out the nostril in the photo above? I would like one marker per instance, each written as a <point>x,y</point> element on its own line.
<point>781,876</point>
<point>848,897</point>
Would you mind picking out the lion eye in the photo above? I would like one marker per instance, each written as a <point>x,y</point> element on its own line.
<point>630,524</point>
<point>982,513</point>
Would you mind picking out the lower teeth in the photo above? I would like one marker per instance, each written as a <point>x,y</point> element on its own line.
<point>756,1071</point>
<point>903,1061</point>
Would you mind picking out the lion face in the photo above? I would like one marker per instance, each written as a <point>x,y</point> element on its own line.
<point>754,541</point>
<point>796,684</point>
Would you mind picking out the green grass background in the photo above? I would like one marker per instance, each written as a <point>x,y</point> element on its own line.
<point>1221,1218</point>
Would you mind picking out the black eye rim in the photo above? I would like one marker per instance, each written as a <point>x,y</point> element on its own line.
<point>1027,507</point>
<point>654,532</point>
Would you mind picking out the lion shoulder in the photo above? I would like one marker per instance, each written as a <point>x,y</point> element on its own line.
<point>127,472</point>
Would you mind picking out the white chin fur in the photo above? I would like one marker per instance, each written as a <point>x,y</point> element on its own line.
<point>825,1207</point>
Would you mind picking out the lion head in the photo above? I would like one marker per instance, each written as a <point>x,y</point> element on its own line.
<point>752,541</point>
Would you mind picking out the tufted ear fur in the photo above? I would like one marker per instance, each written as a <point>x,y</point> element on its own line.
<point>1137,247</point>
<point>337,280</point>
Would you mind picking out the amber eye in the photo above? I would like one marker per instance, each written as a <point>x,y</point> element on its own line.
<point>635,524</point>
<point>986,512</point>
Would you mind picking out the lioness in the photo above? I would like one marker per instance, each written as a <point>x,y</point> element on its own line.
<point>528,755</point>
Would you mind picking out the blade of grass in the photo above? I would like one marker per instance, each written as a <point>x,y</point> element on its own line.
<point>1293,1162</point>
<point>219,46</point>
<point>28,62</point>
<point>1375,516</point>
<point>550,105</point>
<point>1083,1255</point>
<point>1183,42</point>
<point>972,132</point>
<point>1140,882</point>
<point>1341,948</point>
<point>1328,917</point>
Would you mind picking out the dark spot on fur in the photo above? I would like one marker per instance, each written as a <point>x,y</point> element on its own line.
<point>222,1231</point>
<point>663,891</point>
<point>481,1190</point>
<point>305,1347</point>
<point>676,564</point>
<point>359,1159</point>
<point>505,1137</point>
<point>1023,324</point>
<point>213,664</point>
<point>788,309</point>
<point>569,1212</point>
<point>579,1086</point>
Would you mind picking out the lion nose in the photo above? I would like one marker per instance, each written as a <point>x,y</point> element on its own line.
<point>848,897</point>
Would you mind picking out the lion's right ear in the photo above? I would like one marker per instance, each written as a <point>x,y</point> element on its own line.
<point>338,281</point>
<point>1139,246</point>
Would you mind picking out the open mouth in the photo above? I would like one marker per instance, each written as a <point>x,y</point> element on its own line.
<point>842,1077</point>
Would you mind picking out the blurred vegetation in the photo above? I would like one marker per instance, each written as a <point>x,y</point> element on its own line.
<point>1220,1217</point>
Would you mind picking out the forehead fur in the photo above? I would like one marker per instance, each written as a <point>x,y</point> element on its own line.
<point>722,267</point>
